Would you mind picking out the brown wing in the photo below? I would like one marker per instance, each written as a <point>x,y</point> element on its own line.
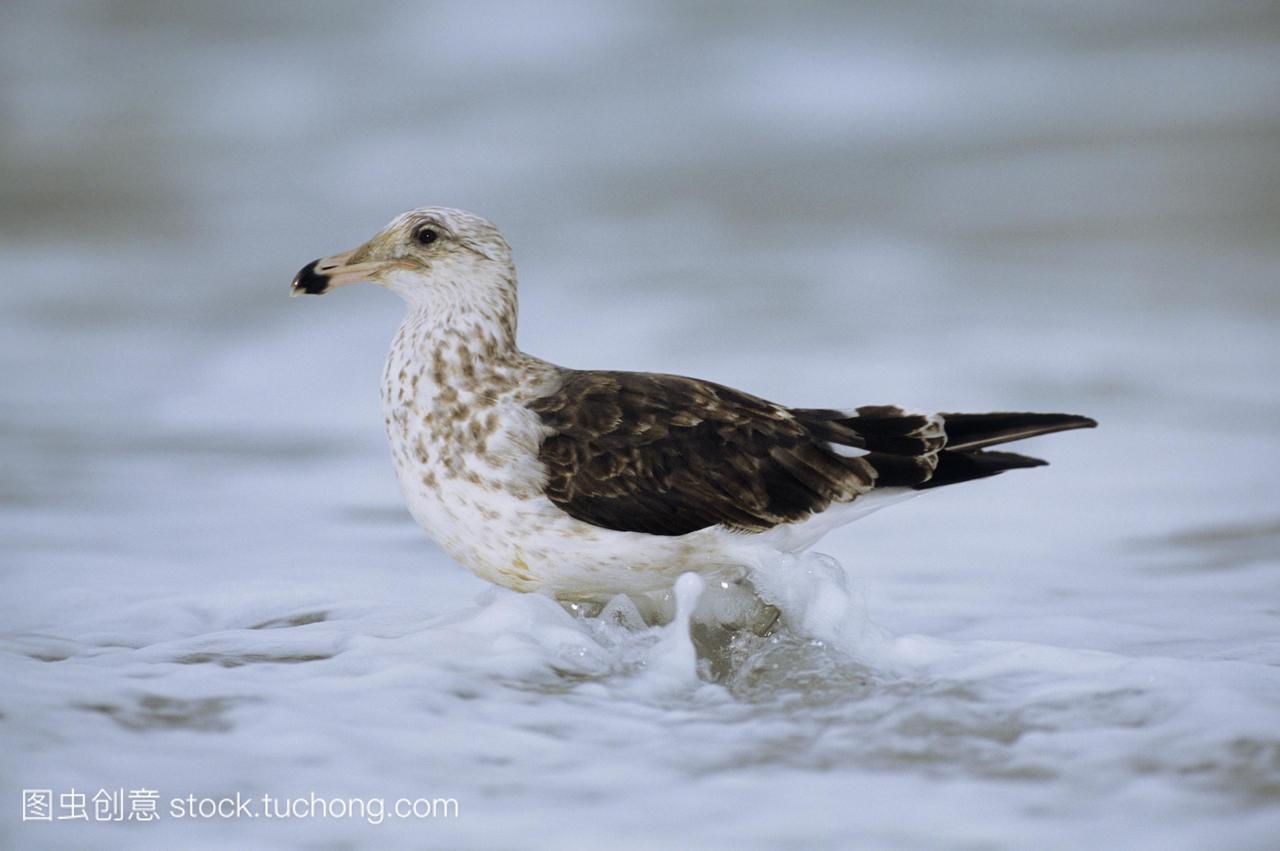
<point>668,455</point>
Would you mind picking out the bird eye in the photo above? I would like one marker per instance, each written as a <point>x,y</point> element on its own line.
<point>426,235</point>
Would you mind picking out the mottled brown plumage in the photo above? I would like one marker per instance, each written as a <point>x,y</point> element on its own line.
<point>669,455</point>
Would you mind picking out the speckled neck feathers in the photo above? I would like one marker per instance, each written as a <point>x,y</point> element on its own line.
<point>464,444</point>
<point>446,377</point>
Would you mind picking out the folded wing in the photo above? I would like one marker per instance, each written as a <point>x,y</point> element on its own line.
<point>668,455</point>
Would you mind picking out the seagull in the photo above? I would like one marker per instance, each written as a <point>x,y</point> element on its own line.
<point>585,484</point>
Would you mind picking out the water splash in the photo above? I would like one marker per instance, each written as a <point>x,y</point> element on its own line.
<point>672,665</point>
<point>819,600</point>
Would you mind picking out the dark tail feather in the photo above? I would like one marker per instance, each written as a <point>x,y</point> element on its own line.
<point>976,431</point>
<point>901,446</point>
<point>962,466</point>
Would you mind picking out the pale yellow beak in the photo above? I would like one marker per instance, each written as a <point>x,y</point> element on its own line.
<point>320,276</point>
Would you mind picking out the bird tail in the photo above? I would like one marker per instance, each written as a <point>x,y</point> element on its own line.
<point>978,431</point>
<point>964,457</point>
<point>922,451</point>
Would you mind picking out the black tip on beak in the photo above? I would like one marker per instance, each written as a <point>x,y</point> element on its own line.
<point>309,282</point>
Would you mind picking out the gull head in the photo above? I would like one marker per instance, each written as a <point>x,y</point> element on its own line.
<point>430,257</point>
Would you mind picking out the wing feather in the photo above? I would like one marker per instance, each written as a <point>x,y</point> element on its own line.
<point>670,455</point>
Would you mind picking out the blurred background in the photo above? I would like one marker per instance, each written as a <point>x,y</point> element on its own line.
<point>821,177</point>
<point>989,205</point>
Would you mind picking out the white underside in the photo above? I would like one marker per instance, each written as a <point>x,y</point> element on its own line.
<point>536,546</point>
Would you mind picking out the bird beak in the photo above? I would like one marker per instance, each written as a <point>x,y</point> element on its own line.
<point>320,276</point>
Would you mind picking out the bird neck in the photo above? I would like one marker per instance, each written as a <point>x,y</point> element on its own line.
<point>440,348</point>
<point>486,326</point>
